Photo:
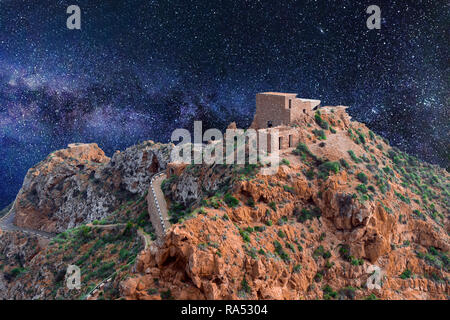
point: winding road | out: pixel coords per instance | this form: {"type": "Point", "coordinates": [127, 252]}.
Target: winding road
{"type": "Point", "coordinates": [157, 207]}
{"type": "Point", "coordinates": [7, 224]}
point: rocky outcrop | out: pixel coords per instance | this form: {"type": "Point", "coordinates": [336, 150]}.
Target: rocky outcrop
{"type": "Point", "coordinates": [80, 184]}
{"type": "Point", "coordinates": [313, 230]}
{"type": "Point", "coordinates": [16, 250]}
{"type": "Point", "coordinates": [335, 209]}
{"type": "Point", "coordinates": [197, 182]}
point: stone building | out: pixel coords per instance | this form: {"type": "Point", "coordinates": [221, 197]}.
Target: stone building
{"type": "Point", "coordinates": [275, 109]}
{"type": "Point", "coordinates": [276, 112]}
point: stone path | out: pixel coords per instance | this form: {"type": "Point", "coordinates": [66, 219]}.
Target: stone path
{"type": "Point", "coordinates": [105, 226]}
{"type": "Point", "coordinates": [98, 287]}
{"type": "Point", "coordinates": [146, 237]}
{"type": "Point", "coordinates": [157, 207]}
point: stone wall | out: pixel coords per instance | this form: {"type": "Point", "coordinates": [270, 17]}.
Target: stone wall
{"type": "Point", "coordinates": [271, 108]}
{"type": "Point", "coordinates": [280, 109]}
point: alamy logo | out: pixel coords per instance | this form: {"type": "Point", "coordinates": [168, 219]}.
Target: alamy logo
{"type": "Point", "coordinates": [374, 21]}
{"type": "Point", "coordinates": [374, 280]}
{"type": "Point", "coordinates": [73, 277]}
{"type": "Point", "coordinates": [74, 20]}
{"type": "Point", "coordinates": [239, 147]}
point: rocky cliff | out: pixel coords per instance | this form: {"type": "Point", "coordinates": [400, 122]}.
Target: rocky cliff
{"type": "Point", "coordinates": [342, 204]}
{"type": "Point", "coordinates": [80, 184]}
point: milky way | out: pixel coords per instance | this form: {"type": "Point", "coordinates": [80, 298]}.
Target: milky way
{"type": "Point", "coordinates": [139, 69]}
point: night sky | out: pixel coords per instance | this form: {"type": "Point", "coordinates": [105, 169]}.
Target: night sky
{"type": "Point", "coordinates": [138, 69]}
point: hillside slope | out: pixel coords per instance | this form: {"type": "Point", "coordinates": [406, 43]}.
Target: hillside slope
{"type": "Point", "coordinates": [342, 202]}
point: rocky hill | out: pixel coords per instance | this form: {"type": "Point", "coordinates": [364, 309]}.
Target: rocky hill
{"type": "Point", "coordinates": [80, 184]}
{"type": "Point", "coordinates": [342, 202]}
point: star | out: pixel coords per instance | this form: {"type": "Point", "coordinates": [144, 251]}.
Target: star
{"type": "Point", "coordinates": [140, 69]}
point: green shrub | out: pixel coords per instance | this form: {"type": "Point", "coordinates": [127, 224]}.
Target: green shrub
{"type": "Point", "coordinates": [344, 163]}
{"type": "Point", "coordinates": [328, 293]}
{"type": "Point", "coordinates": [419, 214]}
{"type": "Point", "coordinates": [106, 269]}
{"type": "Point", "coordinates": [303, 148]}
{"type": "Point", "coordinates": [152, 291]}
{"type": "Point", "coordinates": [123, 254]}
{"type": "Point", "coordinates": [356, 262]}
{"type": "Point", "coordinates": [319, 251]}
{"type": "Point", "coordinates": [344, 251]}
{"type": "Point", "coordinates": [15, 272]}
{"type": "Point", "coordinates": [260, 228]}
{"type": "Point", "coordinates": [310, 174]}
{"type": "Point", "coordinates": [436, 258]}
{"type": "Point", "coordinates": [318, 277]}
{"type": "Point", "coordinates": [318, 118]}
{"type": "Point", "coordinates": [279, 250]}
{"type": "Point", "coordinates": [372, 296]}
{"type": "Point", "coordinates": [362, 177]}
{"type": "Point", "coordinates": [406, 274]}
{"type": "Point", "coordinates": [290, 246]}
{"type": "Point", "coordinates": [354, 157]}
{"type": "Point", "coordinates": [245, 235]}
{"type": "Point", "coordinates": [402, 197]}
{"type": "Point", "coordinates": [230, 200]}
{"type": "Point", "coordinates": [320, 134]}
{"type": "Point", "coordinates": [324, 125]}
{"type": "Point", "coordinates": [330, 166]}
{"type": "Point", "coordinates": [362, 188]}
{"type": "Point", "coordinates": [305, 214]}
{"type": "Point", "coordinates": [167, 295]}
{"type": "Point", "coordinates": [273, 206]}
{"type": "Point", "coordinates": [289, 189]}
{"type": "Point", "coordinates": [361, 137]}
{"type": "Point", "coordinates": [245, 287]}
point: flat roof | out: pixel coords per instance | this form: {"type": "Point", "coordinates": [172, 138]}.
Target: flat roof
{"type": "Point", "coordinates": [278, 94]}
{"type": "Point", "coordinates": [310, 100]}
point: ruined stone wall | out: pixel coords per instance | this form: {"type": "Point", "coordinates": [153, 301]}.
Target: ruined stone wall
{"type": "Point", "coordinates": [299, 109]}
{"type": "Point", "coordinates": [287, 134]}
{"type": "Point", "coordinates": [271, 108]}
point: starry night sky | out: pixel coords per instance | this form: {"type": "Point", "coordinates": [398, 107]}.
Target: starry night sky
{"type": "Point", "coordinates": [139, 69]}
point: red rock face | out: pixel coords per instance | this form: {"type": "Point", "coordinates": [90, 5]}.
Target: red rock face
{"type": "Point", "coordinates": [336, 209]}
{"type": "Point", "coordinates": [80, 184]}
{"type": "Point", "coordinates": [46, 184]}
{"type": "Point", "coordinates": [269, 247]}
